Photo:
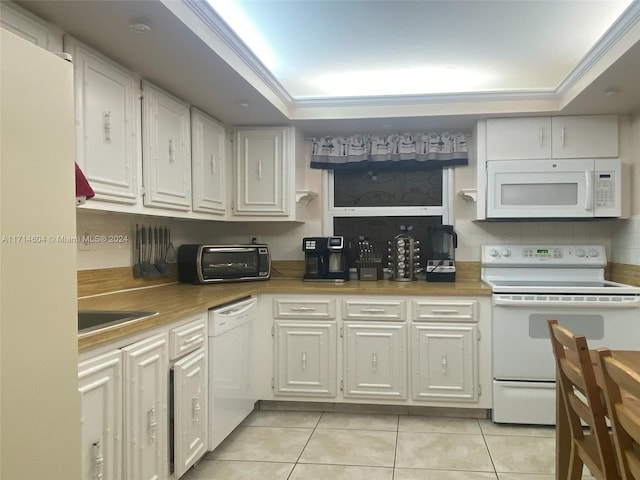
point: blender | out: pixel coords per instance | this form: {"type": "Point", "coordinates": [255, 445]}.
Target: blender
{"type": "Point", "coordinates": [442, 241]}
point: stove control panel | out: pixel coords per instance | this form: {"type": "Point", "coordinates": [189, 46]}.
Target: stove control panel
{"type": "Point", "coordinates": [559, 255]}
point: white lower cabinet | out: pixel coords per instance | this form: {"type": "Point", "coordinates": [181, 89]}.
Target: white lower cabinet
{"type": "Point", "coordinates": [189, 410]}
{"type": "Point", "coordinates": [189, 383]}
{"type": "Point", "coordinates": [146, 395]}
{"type": "Point", "coordinates": [444, 362]}
{"type": "Point", "coordinates": [100, 387]}
{"type": "Point", "coordinates": [444, 345]}
{"type": "Point", "coordinates": [305, 358]}
{"type": "Point", "coordinates": [375, 360]}
{"type": "Point", "coordinates": [134, 427]}
{"type": "Point", "coordinates": [420, 350]}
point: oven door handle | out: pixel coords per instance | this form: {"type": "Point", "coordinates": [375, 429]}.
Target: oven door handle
{"type": "Point", "coordinates": [505, 301]}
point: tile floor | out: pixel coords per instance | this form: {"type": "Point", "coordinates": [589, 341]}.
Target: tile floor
{"type": "Point", "coordinates": [298, 445]}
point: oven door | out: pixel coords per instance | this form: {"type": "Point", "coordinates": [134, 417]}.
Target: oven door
{"type": "Point", "coordinates": [521, 345]}
{"type": "Point", "coordinates": [523, 363]}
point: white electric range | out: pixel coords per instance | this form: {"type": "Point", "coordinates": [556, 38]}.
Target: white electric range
{"type": "Point", "coordinates": [532, 283]}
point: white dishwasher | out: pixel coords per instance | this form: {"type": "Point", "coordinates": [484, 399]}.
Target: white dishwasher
{"type": "Point", "coordinates": [231, 395]}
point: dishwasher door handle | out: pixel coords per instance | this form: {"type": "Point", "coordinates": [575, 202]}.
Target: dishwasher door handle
{"type": "Point", "coordinates": [235, 309]}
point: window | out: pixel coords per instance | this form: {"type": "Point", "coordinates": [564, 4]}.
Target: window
{"type": "Point", "coordinates": [378, 205]}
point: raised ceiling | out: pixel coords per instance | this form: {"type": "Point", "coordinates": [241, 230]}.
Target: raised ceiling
{"type": "Point", "coordinates": [534, 57]}
{"type": "Point", "coordinates": [321, 49]}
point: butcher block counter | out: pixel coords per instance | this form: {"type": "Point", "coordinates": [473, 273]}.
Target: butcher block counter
{"type": "Point", "coordinates": [175, 301]}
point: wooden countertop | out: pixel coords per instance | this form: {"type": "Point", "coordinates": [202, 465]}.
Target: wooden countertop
{"type": "Point", "coordinates": [176, 301]}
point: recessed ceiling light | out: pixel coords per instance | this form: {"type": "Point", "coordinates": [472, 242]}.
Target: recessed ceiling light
{"type": "Point", "coordinates": [242, 103]}
{"type": "Point", "coordinates": [139, 26]}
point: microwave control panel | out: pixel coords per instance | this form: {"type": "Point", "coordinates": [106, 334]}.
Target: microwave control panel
{"type": "Point", "coordinates": [605, 191]}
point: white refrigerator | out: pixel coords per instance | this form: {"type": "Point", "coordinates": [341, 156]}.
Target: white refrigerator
{"type": "Point", "coordinates": [39, 401]}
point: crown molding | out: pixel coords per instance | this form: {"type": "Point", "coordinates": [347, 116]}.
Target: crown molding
{"type": "Point", "coordinates": [606, 44]}
{"type": "Point", "coordinates": [221, 29]}
{"type": "Point", "coordinates": [243, 54]}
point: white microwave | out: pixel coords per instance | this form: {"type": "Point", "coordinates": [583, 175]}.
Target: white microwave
{"type": "Point", "coordinates": [560, 188]}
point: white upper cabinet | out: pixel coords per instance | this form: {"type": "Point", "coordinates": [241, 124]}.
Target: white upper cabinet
{"type": "Point", "coordinates": [107, 111]}
{"type": "Point", "coordinates": [518, 138]}
{"type": "Point", "coordinates": [166, 150]}
{"type": "Point", "coordinates": [209, 182]}
{"type": "Point", "coordinates": [30, 27]}
{"type": "Point", "coordinates": [265, 173]}
{"type": "Point", "coordinates": [588, 136]}
{"type": "Point", "coordinates": [261, 170]}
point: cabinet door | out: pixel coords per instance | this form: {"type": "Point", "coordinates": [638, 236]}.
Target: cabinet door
{"type": "Point", "coordinates": [107, 109]}
{"type": "Point", "coordinates": [375, 360]}
{"type": "Point", "coordinates": [261, 172]}
{"type": "Point", "coordinates": [305, 358]}
{"type": "Point", "coordinates": [166, 150]}
{"type": "Point", "coordinates": [189, 410]}
{"type": "Point", "coordinates": [444, 362]}
{"type": "Point", "coordinates": [588, 136]}
{"type": "Point", "coordinates": [146, 395]}
{"type": "Point", "coordinates": [100, 387]}
{"type": "Point", "coordinates": [20, 22]}
{"type": "Point", "coordinates": [518, 138]}
{"type": "Point", "coordinates": [208, 177]}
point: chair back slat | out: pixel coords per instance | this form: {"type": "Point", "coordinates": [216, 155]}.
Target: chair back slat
{"type": "Point", "coordinates": [622, 395]}
{"type": "Point", "coordinates": [575, 373]}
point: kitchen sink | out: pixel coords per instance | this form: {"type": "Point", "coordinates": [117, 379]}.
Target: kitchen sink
{"type": "Point", "coordinates": [90, 320]}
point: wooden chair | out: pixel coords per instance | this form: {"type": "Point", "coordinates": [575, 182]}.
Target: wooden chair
{"type": "Point", "coordinates": [575, 374]}
{"type": "Point", "coordinates": [622, 395]}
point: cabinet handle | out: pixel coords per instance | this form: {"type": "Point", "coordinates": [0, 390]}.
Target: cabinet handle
{"type": "Point", "coordinates": [541, 136]}
{"type": "Point", "coordinates": [444, 364]}
{"type": "Point", "coordinates": [172, 151]}
{"type": "Point", "coordinates": [98, 460]}
{"type": "Point", "coordinates": [152, 424]}
{"type": "Point", "coordinates": [374, 362]}
{"type": "Point", "coordinates": [194, 338]}
{"type": "Point", "coordinates": [213, 164]}
{"type": "Point", "coordinates": [108, 128]}
{"type": "Point", "coordinates": [304, 360]}
{"type": "Point", "coordinates": [195, 409]}
{"type": "Point", "coordinates": [562, 136]}
{"type": "Point", "coordinates": [259, 170]}
{"type": "Point", "coordinates": [303, 309]}
{"type": "Point", "coordinates": [445, 310]}
{"type": "Point", "coordinates": [373, 310]}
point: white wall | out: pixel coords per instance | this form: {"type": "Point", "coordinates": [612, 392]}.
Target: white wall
{"type": "Point", "coordinates": [620, 237]}
{"type": "Point", "coordinates": [626, 234]}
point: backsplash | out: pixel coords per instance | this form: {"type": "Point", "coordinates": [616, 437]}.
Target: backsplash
{"type": "Point", "coordinates": [619, 237]}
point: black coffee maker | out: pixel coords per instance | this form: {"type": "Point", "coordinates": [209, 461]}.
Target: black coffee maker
{"type": "Point", "coordinates": [326, 259]}
{"type": "Point", "coordinates": [442, 241]}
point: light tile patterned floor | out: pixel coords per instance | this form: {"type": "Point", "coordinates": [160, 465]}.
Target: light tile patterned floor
{"type": "Point", "coordinates": [298, 445]}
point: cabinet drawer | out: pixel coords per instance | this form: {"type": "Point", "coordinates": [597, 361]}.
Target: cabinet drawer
{"type": "Point", "coordinates": [444, 310]}
{"type": "Point", "coordinates": [188, 337]}
{"type": "Point", "coordinates": [389, 310]}
{"type": "Point", "coordinates": [299, 308]}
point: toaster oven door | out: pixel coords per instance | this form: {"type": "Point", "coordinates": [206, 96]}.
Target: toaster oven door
{"type": "Point", "coordinates": [229, 263]}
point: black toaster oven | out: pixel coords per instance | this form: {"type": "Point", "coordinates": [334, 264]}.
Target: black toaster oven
{"type": "Point", "coordinates": [223, 263]}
